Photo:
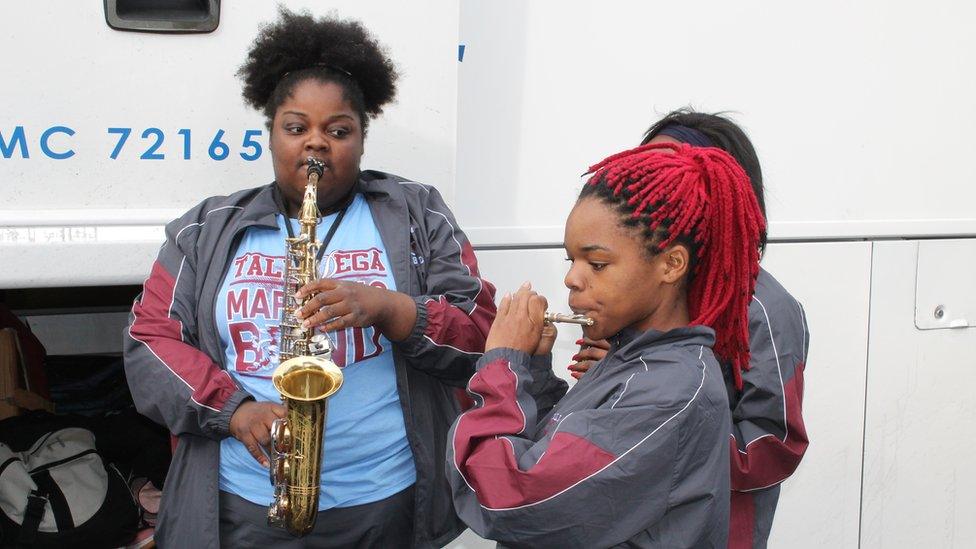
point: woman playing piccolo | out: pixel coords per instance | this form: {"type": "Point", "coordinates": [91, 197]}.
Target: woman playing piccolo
{"type": "Point", "coordinates": [663, 249]}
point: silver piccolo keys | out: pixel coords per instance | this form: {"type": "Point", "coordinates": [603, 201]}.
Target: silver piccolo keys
{"type": "Point", "coordinates": [569, 319]}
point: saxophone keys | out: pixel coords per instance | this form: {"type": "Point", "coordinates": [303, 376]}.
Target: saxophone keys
{"type": "Point", "coordinates": [320, 345]}
{"type": "Point", "coordinates": [278, 511]}
{"type": "Point", "coordinates": [280, 436]}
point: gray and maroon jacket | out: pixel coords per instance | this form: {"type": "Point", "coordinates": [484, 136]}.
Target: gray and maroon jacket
{"type": "Point", "coordinates": [768, 437]}
{"type": "Point", "coordinates": [636, 453]}
{"type": "Point", "coordinates": [174, 360]}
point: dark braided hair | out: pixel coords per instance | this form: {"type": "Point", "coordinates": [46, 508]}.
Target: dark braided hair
{"type": "Point", "coordinates": [699, 197]}
{"type": "Point", "coordinates": [299, 47]}
{"type": "Point", "coordinates": [724, 134]}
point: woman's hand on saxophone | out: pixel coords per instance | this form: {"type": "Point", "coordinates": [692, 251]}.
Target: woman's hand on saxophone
{"type": "Point", "coordinates": [251, 424]}
{"type": "Point", "coordinates": [519, 323]}
{"type": "Point", "coordinates": [340, 304]}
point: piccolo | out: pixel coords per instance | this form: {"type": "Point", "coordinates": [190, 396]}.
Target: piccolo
{"type": "Point", "coordinates": [582, 320]}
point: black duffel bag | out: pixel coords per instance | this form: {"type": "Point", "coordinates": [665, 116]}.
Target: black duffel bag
{"type": "Point", "coordinates": [58, 491]}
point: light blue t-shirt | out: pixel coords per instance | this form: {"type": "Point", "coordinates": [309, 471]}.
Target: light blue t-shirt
{"type": "Point", "coordinates": [366, 456]}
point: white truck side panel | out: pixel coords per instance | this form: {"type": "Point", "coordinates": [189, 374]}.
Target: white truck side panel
{"type": "Point", "coordinates": [861, 112]}
{"type": "Point", "coordinates": [73, 87]}
{"type": "Point", "coordinates": [919, 479]}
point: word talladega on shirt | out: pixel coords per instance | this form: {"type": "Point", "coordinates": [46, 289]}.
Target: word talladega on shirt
{"type": "Point", "coordinates": [366, 456]}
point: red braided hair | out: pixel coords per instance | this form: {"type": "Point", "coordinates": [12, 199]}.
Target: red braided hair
{"type": "Point", "coordinates": [701, 194]}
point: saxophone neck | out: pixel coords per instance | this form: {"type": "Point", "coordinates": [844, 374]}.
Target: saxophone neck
{"type": "Point", "coordinates": [309, 214]}
{"type": "Point", "coordinates": [310, 207]}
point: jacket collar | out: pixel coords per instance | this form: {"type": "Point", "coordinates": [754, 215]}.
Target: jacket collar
{"type": "Point", "coordinates": [628, 344]}
{"type": "Point", "coordinates": [385, 199]}
{"type": "Point", "coordinates": [263, 207]}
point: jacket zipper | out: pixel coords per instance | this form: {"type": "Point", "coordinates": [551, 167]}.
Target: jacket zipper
{"type": "Point", "coordinates": [68, 459]}
{"type": "Point", "coordinates": [235, 242]}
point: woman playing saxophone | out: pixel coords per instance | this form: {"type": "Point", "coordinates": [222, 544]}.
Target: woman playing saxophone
{"type": "Point", "coordinates": [397, 289]}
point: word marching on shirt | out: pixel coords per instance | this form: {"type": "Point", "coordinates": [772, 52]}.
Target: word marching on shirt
{"type": "Point", "coordinates": [366, 456]}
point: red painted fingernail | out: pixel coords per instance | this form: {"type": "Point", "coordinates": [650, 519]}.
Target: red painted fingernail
{"type": "Point", "coordinates": [579, 341]}
{"type": "Point", "coordinates": [576, 357]}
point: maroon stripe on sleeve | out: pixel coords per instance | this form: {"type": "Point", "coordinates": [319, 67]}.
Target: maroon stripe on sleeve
{"type": "Point", "coordinates": [770, 460]}
{"type": "Point", "coordinates": [469, 260]}
{"type": "Point", "coordinates": [464, 400]}
{"type": "Point", "coordinates": [500, 483]}
{"type": "Point", "coordinates": [465, 331]}
{"type": "Point", "coordinates": [449, 325]}
{"type": "Point", "coordinates": [488, 461]}
{"type": "Point", "coordinates": [162, 335]}
{"type": "Point", "coordinates": [742, 523]}
{"type": "Point", "coordinates": [484, 313]}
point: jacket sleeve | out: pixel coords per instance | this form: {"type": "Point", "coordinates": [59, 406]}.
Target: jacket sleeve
{"type": "Point", "coordinates": [768, 436]}
{"type": "Point", "coordinates": [458, 306]}
{"type": "Point", "coordinates": [594, 478]}
{"type": "Point", "coordinates": [171, 380]}
{"type": "Point", "coordinates": [546, 388]}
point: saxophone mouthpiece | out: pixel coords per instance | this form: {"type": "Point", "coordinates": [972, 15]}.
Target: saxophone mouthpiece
{"type": "Point", "coordinates": [315, 166]}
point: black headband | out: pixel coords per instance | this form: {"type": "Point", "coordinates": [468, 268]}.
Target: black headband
{"type": "Point", "coordinates": [687, 135]}
{"type": "Point", "coordinates": [321, 66]}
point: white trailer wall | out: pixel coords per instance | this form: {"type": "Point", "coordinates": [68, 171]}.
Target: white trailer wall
{"type": "Point", "coordinates": [71, 214]}
{"type": "Point", "coordinates": [860, 111]}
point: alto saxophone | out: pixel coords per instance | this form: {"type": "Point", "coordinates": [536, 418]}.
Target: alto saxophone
{"type": "Point", "coordinates": [306, 378]}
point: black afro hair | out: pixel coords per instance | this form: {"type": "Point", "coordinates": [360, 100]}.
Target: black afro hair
{"type": "Point", "coordinates": [298, 47]}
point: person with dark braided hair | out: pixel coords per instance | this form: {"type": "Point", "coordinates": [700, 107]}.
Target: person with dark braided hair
{"type": "Point", "coordinates": [663, 245]}
{"type": "Point", "coordinates": [768, 436]}
{"type": "Point", "coordinates": [400, 296]}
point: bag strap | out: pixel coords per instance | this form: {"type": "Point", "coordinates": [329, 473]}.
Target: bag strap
{"type": "Point", "coordinates": [59, 503]}
{"type": "Point", "coordinates": [33, 515]}
{"type": "Point", "coordinates": [7, 463]}
{"type": "Point", "coordinates": [47, 492]}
